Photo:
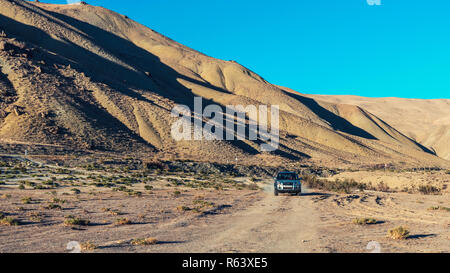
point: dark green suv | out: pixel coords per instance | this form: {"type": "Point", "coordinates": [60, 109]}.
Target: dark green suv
{"type": "Point", "coordinates": [287, 182]}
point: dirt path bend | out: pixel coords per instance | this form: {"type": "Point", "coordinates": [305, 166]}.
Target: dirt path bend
{"type": "Point", "coordinates": [274, 224]}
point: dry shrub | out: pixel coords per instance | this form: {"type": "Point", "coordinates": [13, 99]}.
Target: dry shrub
{"type": "Point", "coordinates": [74, 221]}
{"type": "Point", "coordinates": [88, 246]}
{"type": "Point", "coordinates": [123, 221]}
{"type": "Point", "coordinates": [398, 233]}
{"type": "Point", "coordinates": [428, 189]}
{"type": "Point", "coordinates": [364, 221]}
{"type": "Point", "coordinates": [343, 186]}
{"type": "Point", "coordinates": [9, 221]}
{"type": "Point", "coordinates": [146, 241]}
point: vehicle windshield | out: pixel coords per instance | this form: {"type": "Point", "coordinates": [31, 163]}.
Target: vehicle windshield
{"type": "Point", "coordinates": [287, 176]}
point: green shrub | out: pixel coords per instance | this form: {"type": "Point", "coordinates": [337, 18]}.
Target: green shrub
{"type": "Point", "coordinates": [58, 201]}
{"type": "Point", "coordinates": [74, 221]}
{"type": "Point", "coordinates": [9, 221]}
{"type": "Point", "coordinates": [26, 200]}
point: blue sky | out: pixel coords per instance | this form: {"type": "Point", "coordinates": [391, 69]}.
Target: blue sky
{"type": "Point", "coordinates": [398, 49]}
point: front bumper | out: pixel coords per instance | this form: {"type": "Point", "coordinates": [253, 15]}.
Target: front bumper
{"type": "Point", "coordinates": [282, 188]}
{"type": "Point", "coordinates": [290, 191]}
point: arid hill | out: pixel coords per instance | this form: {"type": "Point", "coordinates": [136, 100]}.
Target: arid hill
{"type": "Point", "coordinates": [88, 78]}
{"type": "Point", "coordinates": [425, 121]}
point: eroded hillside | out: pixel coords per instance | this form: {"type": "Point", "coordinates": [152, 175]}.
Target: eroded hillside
{"type": "Point", "coordinates": [86, 77]}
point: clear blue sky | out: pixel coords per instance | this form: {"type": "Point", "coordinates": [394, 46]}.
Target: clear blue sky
{"type": "Point", "coordinates": [398, 49]}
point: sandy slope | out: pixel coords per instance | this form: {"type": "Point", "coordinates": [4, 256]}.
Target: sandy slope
{"type": "Point", "coordinates": [426, 121]}
{"type": "Point", "coordinates": [88, 78]}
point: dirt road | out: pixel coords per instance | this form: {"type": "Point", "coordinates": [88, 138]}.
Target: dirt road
{"type": "Point", "coordinates": [274, 224]}
{"type": "Point", "coordinates": [318, 222]}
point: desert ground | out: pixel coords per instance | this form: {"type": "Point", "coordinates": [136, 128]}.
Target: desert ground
{"type": "Point", "coordinates": [44, 207]}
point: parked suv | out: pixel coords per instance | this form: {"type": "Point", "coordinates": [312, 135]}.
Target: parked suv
{"type": "Point", "coordinates": [287, 182]}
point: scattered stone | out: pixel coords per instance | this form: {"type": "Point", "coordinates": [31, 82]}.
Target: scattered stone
{"type": "Point", "coordinates": [2, 45]}
{"type": "Point", "coordinates": [3, 114]}
{"type": "Point", "coordinates": [16, 110]}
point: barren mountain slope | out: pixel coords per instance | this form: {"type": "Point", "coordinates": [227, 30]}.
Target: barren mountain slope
{"type": "Point", "coordinates": [426, 121]}
{"type": "Point", "coordinates": [86, 77]}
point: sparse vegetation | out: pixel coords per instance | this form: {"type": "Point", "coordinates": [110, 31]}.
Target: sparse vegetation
{"type": "Point", "coordinates": [398, 233]}
{"type": "Point", "coordinates": [146, 241]}
{"type": "Point", "coordinates": [26, 200]}
{"type": "Point", "coordinates": [123, 221]}
{"type": "Point", "coordinates": [75, 221]}
{"type": "Point", "coordinates": [58, 201]}
{"type": "Point", "coordinates": [53, 206]}
{"type": "Point", "coordinates": [439, 208]}
{"type": "Point", "coordinates": [183, 208]}
{"type": "Point", "coordinates": [428, 189]}
{"type": "Point", "coordinates": [112, 211]}
{"type": "Point", "coordinates": [35, 216]}
{"type": "Point", "coordinates": [88, 246]}
{"type": "Point", "coordinates": [382, 187]}
{"type": "Point", "coordinates": [342, 186]}
{"type": "Point", "coordinates": [203, 203]}
{"type": "Point", "coordinates": [75, 191]}
{"type": "Point", "coordinates": [364, 221]}
{"type": "Point", "coordinates": [9, 221]}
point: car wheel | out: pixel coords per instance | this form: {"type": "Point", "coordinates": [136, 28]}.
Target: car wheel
{"type": "Point", "coordinates": [299, 193]}
{"type": "Point", "coordinates": [275, 192]}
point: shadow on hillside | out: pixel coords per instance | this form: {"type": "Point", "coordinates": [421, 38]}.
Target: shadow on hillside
{"type": "Point", "coordinates": [139, 69]}
{"type": "Point", "coordinates": [341, 124]}
{"type": "Point", "coordinates": [335, 121]}
{"type": "Point", "coordinates": [423, 148]}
